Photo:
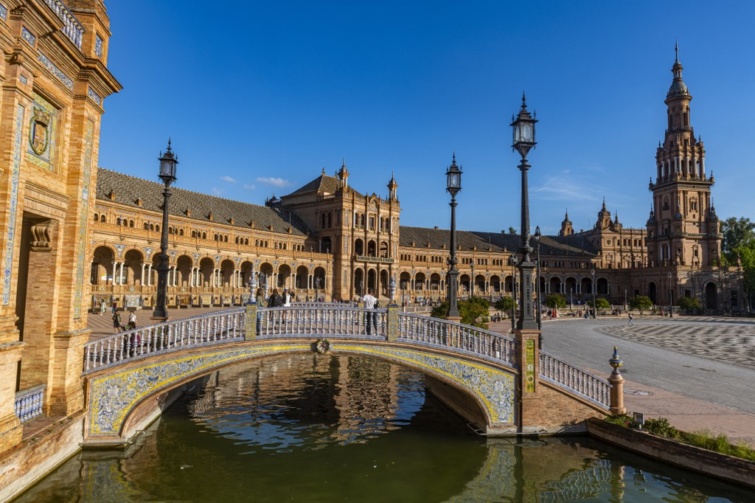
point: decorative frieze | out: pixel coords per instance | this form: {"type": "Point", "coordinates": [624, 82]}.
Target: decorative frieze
{"type": "Point", "coordinates": [28, 36]}
{"type": "Point", "coordinates": [65, 79]}
{"type": "Point", "coordinates": [94, 96]}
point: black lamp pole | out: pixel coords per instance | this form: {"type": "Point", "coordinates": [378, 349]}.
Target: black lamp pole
{"type": "Point", "coordinates": [537, 282]}
{"type": "Point", "coordinates": [453, 186]}
{"type": "Point", "coordinates": [168, 163]}
{"type": "Point", "coordinates": [512, 263]}
{"type": "Point", "coordinates": [524, 140]}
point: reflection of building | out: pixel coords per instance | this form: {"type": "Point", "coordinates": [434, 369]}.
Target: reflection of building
{"type": "Point", "coordinates": [329, 240]}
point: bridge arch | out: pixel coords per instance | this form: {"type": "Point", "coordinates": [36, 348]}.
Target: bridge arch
{"type": "Point", "coordinates": [116, 399]}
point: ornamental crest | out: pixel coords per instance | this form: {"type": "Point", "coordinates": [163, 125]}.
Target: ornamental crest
{"type": "Point", "coordinates": [39, 134]}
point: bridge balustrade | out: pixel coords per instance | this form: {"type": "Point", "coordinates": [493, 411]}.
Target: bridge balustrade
{"type": "Point", "coordinates": [213, 328]}
{"type": "Point", "coordinates": [444, 334]}
{"type": "Point", "coordinates": [560, 373]}
{"type": "Point", "coordinates": [320, 320]}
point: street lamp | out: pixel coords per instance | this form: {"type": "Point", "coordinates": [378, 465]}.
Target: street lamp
{"type": "Point", "coordinates": [670, 297]}
{"type": "Point", "coordinates": [252, 289]}
{"type": "Point", "coordinates": [392, 288]}
{"type": "Point", "coordinates": [403, 295]}
{"type": "Point", "coordinates": [594, 309]}
{"type": "Point", "coordinates": [537, 279]}
{"type": "Point", "coordinates": [524, 140]}
{"type": "Point", "coordinates": [168, 163]}
{"type": "Point", "coordinates": [512, 263]}
{"type": "Point", "coordinates": [453, 186]}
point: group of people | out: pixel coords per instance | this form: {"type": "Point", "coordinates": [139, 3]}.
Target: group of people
{"type": "Point", "coordinates": [117, 326]}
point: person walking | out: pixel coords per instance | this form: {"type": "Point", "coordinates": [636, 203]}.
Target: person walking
{"type": "Point", "coordinates": [132, 319]}
{"type": "Point", "coordinates": [103, 306]}
{"type": "Point", "coordinates": [370, 316]}
{"type": "Point", "coordinates": [117, 322]}
{"type": "Point", "coordinates": [630, 321]}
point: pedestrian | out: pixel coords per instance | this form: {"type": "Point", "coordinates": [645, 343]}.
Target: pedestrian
{"type": "Point", "coordinates": [132, 319]}
{"type": "Point", "coordinates": [370, 316]}
{"type": "Point", "coordinates": [115, 306]}
{"type": "Point", "coordinates": [630, 322]}
{"type": "Point", "coordinates": [260, 298]}
{"type": "Point", "coordinates": [103, 306]}
{"type": "Point", "coordinates": [117, 322]}
{"type": "Point", "coordinates": [275, 299]}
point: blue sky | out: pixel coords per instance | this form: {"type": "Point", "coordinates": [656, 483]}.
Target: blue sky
{"type": "Point", "coordinates": [259, 97]}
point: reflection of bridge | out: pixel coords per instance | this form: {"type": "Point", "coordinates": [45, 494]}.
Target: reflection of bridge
{"type": "Point", "coordinates": [503, 385]}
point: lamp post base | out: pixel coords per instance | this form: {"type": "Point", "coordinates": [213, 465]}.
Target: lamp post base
{"type": "Point", "coordinates": [159, 319]}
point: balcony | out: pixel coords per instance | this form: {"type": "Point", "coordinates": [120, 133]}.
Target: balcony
{"type": "Point", "coordinates": [379, 260]}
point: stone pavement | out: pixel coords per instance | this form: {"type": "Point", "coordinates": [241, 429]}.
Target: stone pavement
{"type": "Point", "coordinates": [697, 372]}
{"type": "Point", "coordinates": [728, 343]}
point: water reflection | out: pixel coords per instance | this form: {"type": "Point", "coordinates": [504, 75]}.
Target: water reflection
{"type": "Point", "coordinates": [321, 428]}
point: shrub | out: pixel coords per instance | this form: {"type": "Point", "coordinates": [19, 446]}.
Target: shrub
{"type": "Point", "coordinates": [555, 300]}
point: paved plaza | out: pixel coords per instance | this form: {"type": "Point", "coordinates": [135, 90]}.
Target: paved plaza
{"type": "Point", "coordinates": [698, 372]}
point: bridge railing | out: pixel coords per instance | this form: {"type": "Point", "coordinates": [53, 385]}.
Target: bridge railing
{"type": "Point", "coordinates": [444, 334]}
{"type": "Point", "coordinates": [595, 389]}
{"type": "Point", "coordinates": [321, 320]}
{"type": "Point", "coordinates": [204, 330]}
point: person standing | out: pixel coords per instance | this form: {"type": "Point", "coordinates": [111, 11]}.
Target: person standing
{"type": "Point", "coordinates": [132, 320]}
{"type": "Point", "coordinates": [103, 306]}
{"type": "Point", "coordinates": [370, 316]}
{"type": "Point", "coordinates": [260, 298]}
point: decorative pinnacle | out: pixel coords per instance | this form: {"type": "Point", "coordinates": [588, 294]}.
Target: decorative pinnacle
{"type": "Point", "coordinates": [615, 361]}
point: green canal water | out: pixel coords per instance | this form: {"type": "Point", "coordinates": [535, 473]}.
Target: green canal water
{"type": "Point", "coordinates": [317, 428]}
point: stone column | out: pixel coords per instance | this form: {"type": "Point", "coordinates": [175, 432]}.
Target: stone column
{"type": "Point", "coordinates": [392, 330]}
{"type": "Point", "coordinates": [617, 385]}
{"type": "Point", "coordinates": [250, 322]}
{"type": "Point", "coordinates": [528, 382]}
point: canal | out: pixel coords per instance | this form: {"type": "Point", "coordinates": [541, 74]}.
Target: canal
{"type": "Point", "coordinates": [319, 428]}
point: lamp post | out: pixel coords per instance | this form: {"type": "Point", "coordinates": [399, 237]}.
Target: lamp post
{"type": "Point", "coordinates": [317, 289]}
{"type": "Point", "coordinates": [571, 299]}
{"type": "Point", "coordinates": [392, 288]}
{"type": "Point", "coordinates": [471, 284]}
{"type": "Point", "coordinates": [524, 140]}
{"type": "Point", "coordinates": [670, 297]}
{"type": "Point", "coordinates": [252, 288]}
{"type": "Point", "coordinates": [403, 295]}
{"type": "Point", "coordinates": [537, 279]}
{"type": "Point", "coordinates": [168, 163]}
{"type": "Point", "coordinates": [512, 263]}
{"type": "Point", "coordinates": [453, 186]}
{"type": "Point", "coordinates": [594, 309]}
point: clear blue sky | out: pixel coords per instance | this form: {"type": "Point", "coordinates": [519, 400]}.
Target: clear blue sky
{"type": "Point", "coordinates": [258, 97]}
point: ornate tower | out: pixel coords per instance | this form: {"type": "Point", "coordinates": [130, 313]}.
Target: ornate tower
{"type": "Point", "coordinates": [682, 229]}
{"type": "Point", "coordinates": [392, 186]}
{"type": "Point", "coordinates": [566, 226]}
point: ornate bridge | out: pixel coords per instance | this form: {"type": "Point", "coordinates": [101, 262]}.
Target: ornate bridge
{"type": "Point", "coordinates": [503, 385]}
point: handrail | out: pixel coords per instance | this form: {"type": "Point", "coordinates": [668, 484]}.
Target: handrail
{"type": "Point", "coordinates": [29, 402]}
{"type": "Point", "coordinates": [556, 371]}
{"type": "Point", "coordinates": [334, 320]}
{"type": "Point", "coordinates": [204, 330]}
{"type": "Point", "coordinates": [321, 320]}
{"type": "Point", "coordinates": [444, 334]}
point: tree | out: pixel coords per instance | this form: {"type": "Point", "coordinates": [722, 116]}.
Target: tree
{"type": "Point", "coordinates": [512, 230]}
{"type": "Point", "coordinates": [736, 234]}
{"type": "Point", "coordinates": [555, 300]}
{"type": "Point", "coordinates": [474, 311]}
{"type": "Point", "coordinates": [690, 304]}
{"type": "Point", "coordinates": [641, 303]}
{"type": "Point", "coordinates": [602, 303]}
{"type": "Point", "coordinates": [505, 304]}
